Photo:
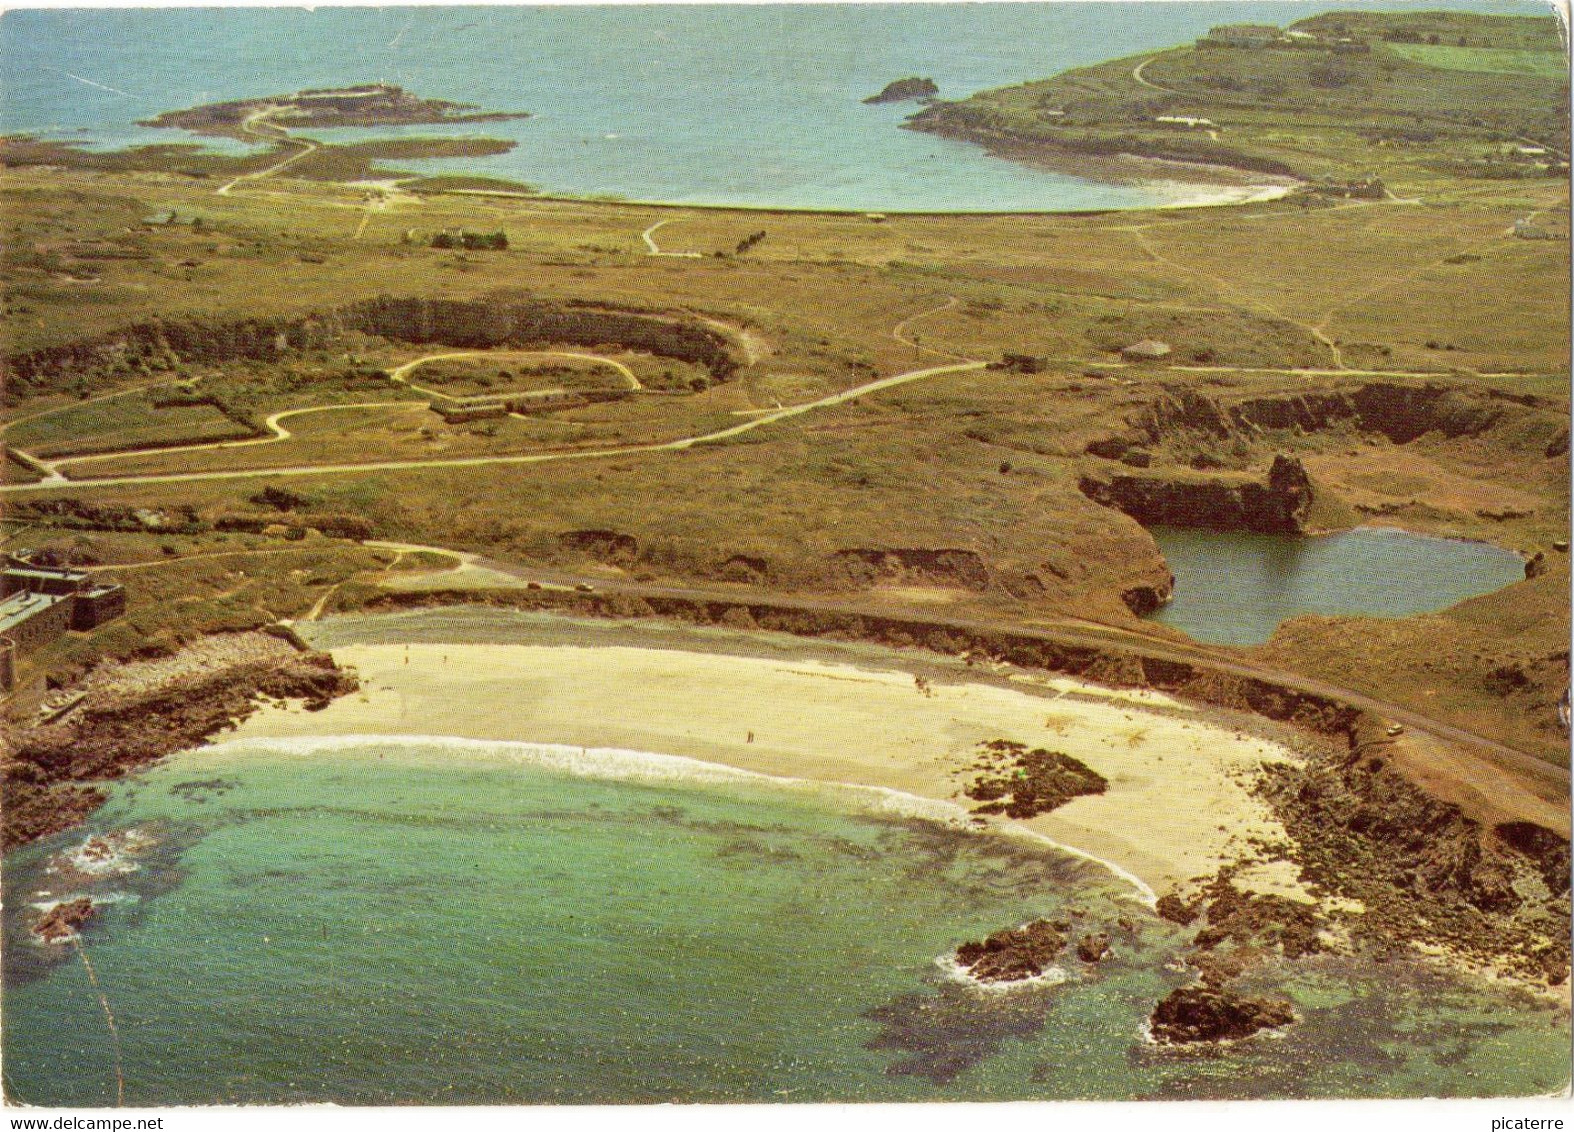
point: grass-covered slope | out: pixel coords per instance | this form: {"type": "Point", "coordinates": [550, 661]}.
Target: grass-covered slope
{"type": "Point", "coordinates": [1407, 96]}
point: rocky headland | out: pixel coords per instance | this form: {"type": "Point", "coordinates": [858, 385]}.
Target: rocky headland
{"type": "Point", "coordinates": [134, 713]}
{"type": "Point", "coordinates": [372, 104]}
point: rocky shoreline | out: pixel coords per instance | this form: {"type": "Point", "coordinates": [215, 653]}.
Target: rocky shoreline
{"type": "Point", "coordinates": [1389, 866]}
{"type": "Point", "coordinates": [135, 713]}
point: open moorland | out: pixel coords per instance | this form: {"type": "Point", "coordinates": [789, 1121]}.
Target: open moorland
{"type": "Point", "coordinates": [273, 393]}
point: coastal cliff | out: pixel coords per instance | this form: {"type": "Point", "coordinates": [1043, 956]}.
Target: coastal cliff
{"type": "Point", "coordinates": [471, 324]}
{"type": "Point", "coordinates": [135, 713]}
{"type": "Point", "coordinates": [1278, 506]}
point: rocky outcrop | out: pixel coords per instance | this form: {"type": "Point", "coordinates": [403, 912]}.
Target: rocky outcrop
{"type": "Point", "coordinates": [1421, 867]}
{"type": "Point", "coordinates": [1278, 506]}
{"type": "Point", "coordinates": [1145, 599]}
{"type": "Point", "coordinates": [1012, 955]}
{"type": "Point", "coordinates": [136, 713]}
{"type": "Point", "coordinates": [905, 90]}
{"type": "Point", "coordinates": [610, 547]}
{"type": "Point", "coordinates": [1022, 783]}
{"type": "Point", "coordinates": [1397, 412]}
{"type": "Point", "coordinates": [471, 324]}
{"type": "Point", "coordinates": [1093, 948]}
{"type": "Point", "coordinates": [1548, 852]}
{"type": "Point", "coordinates": [64, 921]}
{"type": "Point", "coordinates": [868, 566]}
{"type": "Point", "coordinates": [1203, 1014]}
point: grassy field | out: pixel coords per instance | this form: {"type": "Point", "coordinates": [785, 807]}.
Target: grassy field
{"type": "Point", "coordinates": [1416, 101]}
{"type": "Point", "coordinates": [138, 420]}
{"type": "Point", "coordinates": [1488, 60]}
{"type": "Point", "coordinates": [1290, 301]}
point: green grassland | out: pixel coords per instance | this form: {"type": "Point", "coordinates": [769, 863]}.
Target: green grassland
{"type": "Point", "coordinates": [1488, 60]}
{"type": "Point", "coordinates": [1304, 297]}
{"type": "Point", "coordinates": [139, 420]}
{"type": "Point", "coordinates": [1310, 111]}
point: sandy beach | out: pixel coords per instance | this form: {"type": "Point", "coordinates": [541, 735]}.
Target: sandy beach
{"type": "Point", "coordinates": [1178, 801]}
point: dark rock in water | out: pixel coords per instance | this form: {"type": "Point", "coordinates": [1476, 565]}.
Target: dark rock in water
{"type": "Point", "coordinates": [1093, 948]}
{"type": "Point", "coordinates": [1202, 1014]}
{"type": "Point", "coordinates": [63, 921]}
{"type": "Point", "coordinates": [1012, 955]}
{"type": "Point", "coordinates": [905, 90]}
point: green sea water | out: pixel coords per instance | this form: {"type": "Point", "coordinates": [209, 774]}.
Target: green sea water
{"type": "Point", "coordinates": [439, 921]}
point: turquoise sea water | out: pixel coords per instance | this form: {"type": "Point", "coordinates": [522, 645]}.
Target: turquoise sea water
{"type": "Point", "coordinates": [700, 104]}
{"type": "Point", "coordinates": [434, 921]}
{"type": "Point", "coordinates": [1234, 588]}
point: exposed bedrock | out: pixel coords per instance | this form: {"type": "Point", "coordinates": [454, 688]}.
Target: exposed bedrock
{"type": "Point", "coordinates": [1012, 955]}
{"type": "Point", "coordinates": [1400, 413]}
{"type": "Point", "coordinates": [64, 921]}
{"type": "Point", "coordinates": [611, 547]}
{"type": "Point", "coordinates": [867, 566]}
{"type": "Point", "coordinates": [1421, 866]}
{"type": "Point", "coordinates": [1204, 1014]}
{"type": "Point", "coordinates": [136, 713]}
{"type": "Point", "coordinates": [1279, 505]}
{"type": "Point", "coordinates": [476, 324]}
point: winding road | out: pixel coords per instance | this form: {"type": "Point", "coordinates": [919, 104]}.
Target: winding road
{"type": "Point", "coordinates": [649, 236]}
{"type": "Point", "coordinates": [401, 373]}
{"type": "Point", "coordinates": [258, 126]}
{"type": "Point", "coordinates": [1136, 73]}
{"type": "Point", "coordinates": [679, 445]}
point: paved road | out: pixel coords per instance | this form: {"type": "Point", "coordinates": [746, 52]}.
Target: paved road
{"type": "Point", "coordinates": [276, 430]}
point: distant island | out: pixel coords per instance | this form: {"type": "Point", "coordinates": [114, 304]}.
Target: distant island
{"type": "Point", "coordinates": [370, 104]}
{"type": "Point", "coordinates": [905, 90]}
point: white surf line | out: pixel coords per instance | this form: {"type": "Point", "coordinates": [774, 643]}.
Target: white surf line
{"type": "Point", "coordinates": [620, 763]}
{"type": "Point", "coordinates": [648, 236]}
{"type": "Point", "coordinates": [485, 461]}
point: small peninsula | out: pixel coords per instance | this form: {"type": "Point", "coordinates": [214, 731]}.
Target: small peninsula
{"type": "Point", "coordinates": [370, 104]}
{"type": "Point", "coordinates": [905, 90]}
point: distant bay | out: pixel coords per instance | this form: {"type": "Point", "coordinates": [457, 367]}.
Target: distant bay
{"type": "Point", "coordinates": [758, 106]}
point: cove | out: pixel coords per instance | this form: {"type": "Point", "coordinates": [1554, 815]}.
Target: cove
{"type": "Point", "coordinates": [430, 921]}
{"type": "Point", "coordinates": [1235, 588]}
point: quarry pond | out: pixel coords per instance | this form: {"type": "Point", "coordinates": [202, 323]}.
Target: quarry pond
{"type": "Point", "coordinates": [1236, 588]}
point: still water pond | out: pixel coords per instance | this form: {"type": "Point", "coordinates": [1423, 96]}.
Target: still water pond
{"type": "Point", "coordinates": [1235, 588]}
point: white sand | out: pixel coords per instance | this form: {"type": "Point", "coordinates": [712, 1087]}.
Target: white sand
{"type": "Point", "coordinates": [1177, 805]}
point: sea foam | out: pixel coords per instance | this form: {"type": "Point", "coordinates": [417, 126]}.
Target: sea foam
{"type": "Point", "coordinates": [619, 764]}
